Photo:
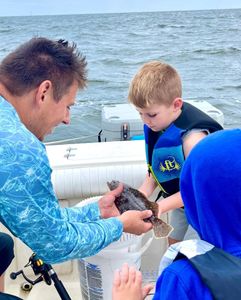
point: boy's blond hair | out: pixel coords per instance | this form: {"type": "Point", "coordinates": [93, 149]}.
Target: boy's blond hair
{"type": "Point", "coordinates": [155, 83]}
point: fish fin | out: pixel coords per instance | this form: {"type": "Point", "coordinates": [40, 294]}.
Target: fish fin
{"type": "Point", "coordinates": [161, 229]}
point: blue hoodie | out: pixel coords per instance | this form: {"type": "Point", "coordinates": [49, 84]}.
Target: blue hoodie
{"type": "Point", "coordinates": [211, 191]}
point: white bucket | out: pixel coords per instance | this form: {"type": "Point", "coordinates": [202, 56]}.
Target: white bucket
{"type": "Point", "coordinates": [97, 272]}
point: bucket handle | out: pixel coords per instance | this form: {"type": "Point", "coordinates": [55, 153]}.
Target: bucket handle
{"type": "Point", "coordinates": [111, 252]}
{"type": "Point", "coordinates": [147, 244]}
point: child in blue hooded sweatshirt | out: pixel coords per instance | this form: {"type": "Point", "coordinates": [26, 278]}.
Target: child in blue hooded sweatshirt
{"type": "Point", "coordinates": [210, 268]}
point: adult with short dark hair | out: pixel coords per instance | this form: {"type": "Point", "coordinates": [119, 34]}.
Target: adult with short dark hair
{"type": "Point", "coordinates": [38, 85]}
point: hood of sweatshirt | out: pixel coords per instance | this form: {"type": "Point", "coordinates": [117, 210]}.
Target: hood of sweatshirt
{"type": "Point", "coordinates": [211, 189]}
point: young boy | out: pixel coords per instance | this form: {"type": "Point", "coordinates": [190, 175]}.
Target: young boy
{"type": "Point", "coordinates": [209, 268]}
{"type": "Point", "coordinates": [172, 128]}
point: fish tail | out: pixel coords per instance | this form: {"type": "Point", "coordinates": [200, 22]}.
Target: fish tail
{"type": "Point", "coordinates": [161, 229]}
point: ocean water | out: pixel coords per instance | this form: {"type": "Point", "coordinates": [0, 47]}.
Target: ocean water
{"type": "Point", "coordinates": [204, 46]}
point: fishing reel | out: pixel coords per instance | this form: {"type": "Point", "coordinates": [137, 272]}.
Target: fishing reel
{"type": "Point", "coordinates": [47, 274]}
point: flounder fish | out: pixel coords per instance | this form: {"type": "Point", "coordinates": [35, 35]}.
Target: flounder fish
{"type": "Point", "coordinates": [132, 199]}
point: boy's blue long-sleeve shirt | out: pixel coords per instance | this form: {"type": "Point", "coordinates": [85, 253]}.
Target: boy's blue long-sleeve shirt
{"type": "Point", "coordinates": [29, 207]}
{"type": "Point", "coordinates": [180, 281]}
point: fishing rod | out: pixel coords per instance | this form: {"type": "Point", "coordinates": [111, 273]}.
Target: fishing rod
{"type": "Point", "coordinates": [47, 274]}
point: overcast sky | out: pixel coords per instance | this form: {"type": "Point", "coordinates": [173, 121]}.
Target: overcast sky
{"type": "Point", "coordinates": [54, 7]}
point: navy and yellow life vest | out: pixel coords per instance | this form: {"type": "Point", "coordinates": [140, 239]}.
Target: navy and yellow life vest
{"type": "Point", "coordinates": [164, 150]}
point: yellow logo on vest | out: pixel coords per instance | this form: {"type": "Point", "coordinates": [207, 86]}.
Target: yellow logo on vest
{"type": "Point", "coordinates": [169, 164]}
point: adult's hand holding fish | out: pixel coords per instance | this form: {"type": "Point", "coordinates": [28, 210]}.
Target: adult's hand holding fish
{"type": "Point", "coordinates": [132, 199]}
{"type": "Point", "coordinates": [133, 221]}
{"type": "Point", "coordinates": [107, 203]}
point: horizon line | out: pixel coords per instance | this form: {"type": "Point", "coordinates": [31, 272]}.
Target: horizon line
{"type": "Point", "coordinates": [124, 12]}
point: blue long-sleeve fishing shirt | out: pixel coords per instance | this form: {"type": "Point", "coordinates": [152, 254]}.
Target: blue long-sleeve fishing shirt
{"type": "Point", "coordinates": [29, 207]}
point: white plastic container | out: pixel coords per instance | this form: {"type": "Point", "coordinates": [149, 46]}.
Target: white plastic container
{"type": "Point", "coordinates": [97, 272]}
{"type": "Point", "coordinates": [123, 122]}
{"type": "Point", "coordinates": [82, 170]}
{"type": "Point", "coordinates": [120, 122]}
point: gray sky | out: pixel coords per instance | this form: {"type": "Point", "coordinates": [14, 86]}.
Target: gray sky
{"type": "Point", "coordinates": [53, 7]}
